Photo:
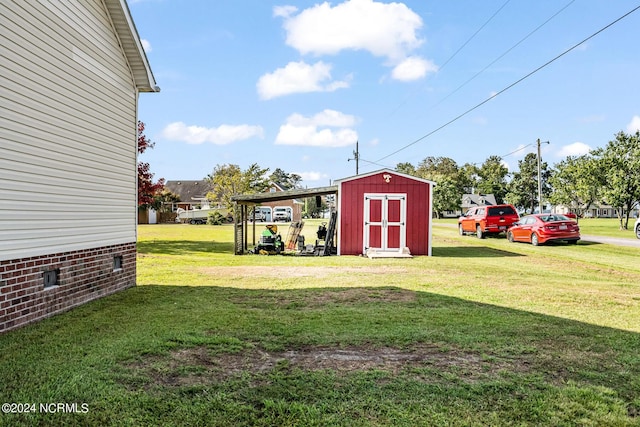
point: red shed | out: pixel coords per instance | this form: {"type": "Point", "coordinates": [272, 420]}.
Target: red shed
{"type": "Point", "coordinates": [384, 211]}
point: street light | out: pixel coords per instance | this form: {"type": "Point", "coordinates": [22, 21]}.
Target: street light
{"type": "Point", "coordinates": [540, 178]}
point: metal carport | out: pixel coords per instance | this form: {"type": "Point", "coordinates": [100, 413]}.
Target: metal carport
{"type": "Point", "coordinates": [243, 202]}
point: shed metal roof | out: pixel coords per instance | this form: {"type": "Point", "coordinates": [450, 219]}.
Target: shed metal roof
{"type": "Point", "coordinates": [254, 199]}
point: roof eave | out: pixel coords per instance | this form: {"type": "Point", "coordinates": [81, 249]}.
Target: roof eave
{"type": "Point", "coordinates": [131, 45]}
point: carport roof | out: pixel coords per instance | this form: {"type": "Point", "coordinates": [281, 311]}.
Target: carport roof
{"type": "Point", "coordinates": [254, 199]}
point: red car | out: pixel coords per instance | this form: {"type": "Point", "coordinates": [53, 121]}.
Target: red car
{"type": "Point", "coordinates": [541, 228]}
{"type": "Point", "coordinates": [485, 220]}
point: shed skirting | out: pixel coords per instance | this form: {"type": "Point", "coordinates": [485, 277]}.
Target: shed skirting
{"type": "Point", "coordinates": [82, 276]}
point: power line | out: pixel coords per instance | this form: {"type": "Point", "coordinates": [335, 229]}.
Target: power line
{"type": "Point", "coordinates": [502, 56]}
{"type": "Point", "coordinates": [474, 35]}
{"type": "Point", "coordinates": [457, 51]}
{"type": "Point", "coordinates": [458, 117]}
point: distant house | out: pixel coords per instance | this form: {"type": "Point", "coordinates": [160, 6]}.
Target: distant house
{"type": "Point", "coordinates": [596, 210]}
{"type": "Point", "coordinates": [192, 193]}
{"type": "Point", "coordinates": [469, 201]}
{"type": "Point", "coordinates": [294, 204]}
{"type": "Point", "coordinates": [71, 75]}
{"type": "Point", "coordinates": [473, 200]}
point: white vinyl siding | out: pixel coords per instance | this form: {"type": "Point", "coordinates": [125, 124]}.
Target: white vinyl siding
{"type": "Point", "coordinates": [67, 130]}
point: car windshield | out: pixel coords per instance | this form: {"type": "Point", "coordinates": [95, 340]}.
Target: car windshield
{"type": "Point", "coordinates": [501, 210]}
{"type": "Point", "coordinates": [554, 217]}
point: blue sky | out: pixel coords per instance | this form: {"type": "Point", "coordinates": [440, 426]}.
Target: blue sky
{"type": "Point", "coordinates": [294, 85]}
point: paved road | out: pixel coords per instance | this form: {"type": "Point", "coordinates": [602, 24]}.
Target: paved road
{"type": "Point", "coordinates": [612, 240]}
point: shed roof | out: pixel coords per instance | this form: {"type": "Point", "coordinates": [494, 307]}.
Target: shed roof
{"type": "Point", "coordinates": [364, 175]}
{"type": "Point", "coordinates": [252, 199]}
{"type": "Point", "coordinates": [131, 45]}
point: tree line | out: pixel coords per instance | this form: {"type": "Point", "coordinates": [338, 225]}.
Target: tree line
{"type": "Point", "coordinates": [609, 175]}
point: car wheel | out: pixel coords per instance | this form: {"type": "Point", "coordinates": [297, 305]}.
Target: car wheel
{"type": "Point", "coordinates": [510, 236]}
{"type": "Point", "coordinates": [460, 230]}
{"type": "Point", "coordinates": [638, 232]}
{"type": "Point", "coordinates": [534, 239]}
{"type": "Point", "coordinates": [572, 242]}
{"type": "Point", "coordinates": [479, 232]}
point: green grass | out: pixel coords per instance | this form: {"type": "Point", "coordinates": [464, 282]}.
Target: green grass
{"type": "Point", "coordinates": [609, 227]}
{"type": "Point", "coordinates": [483, 333]}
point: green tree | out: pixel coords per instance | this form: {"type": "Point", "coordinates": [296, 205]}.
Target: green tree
{"type": "Point", "coordinates": [230, 180]}
{"type": "Point", "coordinates": [446, 195]}
{"type": "Point", "coordinates": [523, 188]}
{"type": "Point", "coordinates": [147, 189]}
{"type": "Point", "coordinates": [289, 180]}
{"type": "Point", "coordinates": [432, 167]}
{"type": "Point", "coordinates": [164, 200]}
{"type": "Point", "coordinates": [619, 164]}
{"type": "Point", "coordinates": [406, 168]}
{"type": "Point", "coordinates": [576, 183]}
{"type": "Point", "coordinates": [469, 178]}
{"type": "Point", "coordinates": [450, 183]}
{"type": "Point", "coordinates": [492, 178]}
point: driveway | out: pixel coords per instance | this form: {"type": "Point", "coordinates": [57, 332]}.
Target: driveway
{"type": "Point", "coordinates": [612, 240]}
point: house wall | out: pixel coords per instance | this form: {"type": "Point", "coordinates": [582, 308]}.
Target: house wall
{"type": "Point", "coordinates": [67, 154]}
{"type": "Point", "coordinates": [351, 210]}
{"type": "Point", "coordinates": [83, 275]}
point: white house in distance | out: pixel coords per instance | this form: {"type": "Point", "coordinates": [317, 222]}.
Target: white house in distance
{"type": "Point", "coordinates": [70, 78]}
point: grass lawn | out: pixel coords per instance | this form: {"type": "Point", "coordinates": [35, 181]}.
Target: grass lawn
{"type": "Point", "coordinates": [483, 333]}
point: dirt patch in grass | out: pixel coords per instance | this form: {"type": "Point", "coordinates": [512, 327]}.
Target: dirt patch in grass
{"type": "Point", "coordinates": [312, 299]}
{"type": "Point", "coordinates": [285, 271]}
{"type": "Point", "coordinates": [201, 366]}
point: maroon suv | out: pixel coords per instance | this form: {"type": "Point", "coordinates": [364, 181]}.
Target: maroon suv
{"type": "Point", "coordinates": [483, 220]}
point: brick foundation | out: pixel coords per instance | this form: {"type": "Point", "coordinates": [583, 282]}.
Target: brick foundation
{"type": "Point", "coordinates": [83, 276]}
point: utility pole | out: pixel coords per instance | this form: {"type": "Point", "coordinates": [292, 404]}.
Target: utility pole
{"type": "Point", "coordinates": [356, 157]}
{"type": "Point", "coordinates": [540, 177]}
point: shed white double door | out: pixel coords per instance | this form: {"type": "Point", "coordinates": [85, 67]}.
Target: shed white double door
{"type": "Point", "coordinates": [385, 222]}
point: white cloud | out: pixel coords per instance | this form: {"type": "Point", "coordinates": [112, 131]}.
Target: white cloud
{"type": "Point", "coordinates": [328, 128]}
{"type": "Point", "coordinates": [298, 77]}
{"type": "Point", "coordinates": [221, 135]}
{"type": "Point", "coordinates": [575, 149]}
{"type": "Point", "coordinates": [384, 29]}
{"type": "Point", "coordinates": [413, 68]}
{"type": "Point", "coordinates": [284, 11]}
{"type": "Point", "coordinates": [312, 176]}
{"type": "Point", "coordinates": [146, 45]}
{"type": "Point", "coordinates": [634, 126]}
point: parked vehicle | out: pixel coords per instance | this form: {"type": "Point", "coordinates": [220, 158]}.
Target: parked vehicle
{"type": "Point", "coordinates": [484, 220]}
{"type": "Point", "coordinates": [538, 229]}
{"type": "Point", "coordinates": [282, 213]}
{"type": "Point", "coordinates": [258, 216]}
{"type": "Point", "coordinates": [200, 216]}
{"type": "Point", "coordinates": [636, 227]}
